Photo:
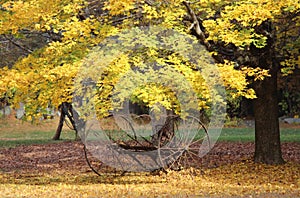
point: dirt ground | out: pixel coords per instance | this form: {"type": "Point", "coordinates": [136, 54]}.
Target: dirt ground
{"type": "Point", "coordinates": [69, 156]}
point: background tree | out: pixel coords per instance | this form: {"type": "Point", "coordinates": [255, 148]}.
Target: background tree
{"type": "Point", "coordinates": [289, 88]}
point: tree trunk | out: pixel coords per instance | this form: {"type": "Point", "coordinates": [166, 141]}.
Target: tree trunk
{"type": "Point", "coordinates": [74, 117]}
{"type": "Point", "coordinates": [267, 133]}
{"type": "Point", "coordinates": [166, 132]}
{"type": "Point", "coordinates": [66, 110]}
{"type": "Point", "coordinates": [60, 126]}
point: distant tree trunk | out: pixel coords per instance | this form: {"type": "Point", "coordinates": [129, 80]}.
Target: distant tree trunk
{"type": "Point", "coordinates": [74, 117]}
{"type": "Point", "coordinates": [267, 133]}
{"type": "Point", "coordinates": [60, 126]}
{"type": "Point", "coordinates": [66, 110]}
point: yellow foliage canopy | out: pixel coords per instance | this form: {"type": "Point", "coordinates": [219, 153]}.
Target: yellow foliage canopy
{"type": "Point", "coordinates": [46, 77]}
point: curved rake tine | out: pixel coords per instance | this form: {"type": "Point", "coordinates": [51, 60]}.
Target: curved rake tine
{"type": "Point", "coordinates": [141, 116]}
{"type": "Point", "coordinates": [116, 157]}
{"type": "Point", "coordinates": [138, 161]}
{"type": "Point", "coordinates": [132, 128]}
{"type": "Point", "coordinates": [88, 161]}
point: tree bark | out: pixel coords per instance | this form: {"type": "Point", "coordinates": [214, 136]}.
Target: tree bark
{"type": "Point", "coordinates": [166, 132]}
{"type": "Point", "coordinates": [66, 110]}
{"type": "Point", "coordinates": [267, 132]}
{"type": "Point", "coordinates": [60, 126]}
{"type": "Point", "coordinates": [73, 117]}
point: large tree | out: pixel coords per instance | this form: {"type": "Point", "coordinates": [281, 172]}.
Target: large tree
{"type": "Point", "coordinates": [261, 34]}
{"type": "Point", "coordinates": [247, 38]}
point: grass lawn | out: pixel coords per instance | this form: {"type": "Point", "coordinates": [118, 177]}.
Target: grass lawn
{"type": "Point", "coordinates": [16, 132]}
{"type": "Point", "coordinates": [21, 133]}
{"type": "Point", "coordinates": [34, 137]}
{"type": "Point", "coordinates": [42, 137]}
{"type": "Point", "coordinates": [247, 134]}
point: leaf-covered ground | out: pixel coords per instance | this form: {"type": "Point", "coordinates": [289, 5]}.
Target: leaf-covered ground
{"type": "Point", "coordinates": [60, 170]}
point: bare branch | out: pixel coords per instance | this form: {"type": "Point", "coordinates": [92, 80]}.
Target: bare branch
{"type": "Point", "coordinates": [149, 2]}
{"type": "Point", "coordinates": [196, 24]}
{"type": "Point", "coordinates": [18, 45]}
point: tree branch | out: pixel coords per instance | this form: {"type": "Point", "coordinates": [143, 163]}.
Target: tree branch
{"type": "Point", "coordinates": [18, 45]}
{"type": "Point", "coordinates": [195, 24]}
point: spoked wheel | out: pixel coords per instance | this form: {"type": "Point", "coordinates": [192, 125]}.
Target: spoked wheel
{"type": "Point", "coordinates": [186, 157]}
{"type": "Point", "coordinates": [183, 150]}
